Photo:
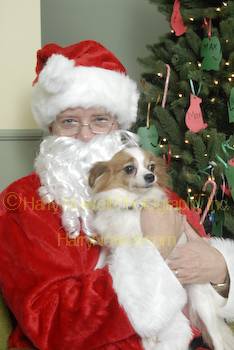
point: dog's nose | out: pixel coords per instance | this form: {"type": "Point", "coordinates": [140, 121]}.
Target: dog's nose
{"type": "Point", "coordinates": [149, 178]}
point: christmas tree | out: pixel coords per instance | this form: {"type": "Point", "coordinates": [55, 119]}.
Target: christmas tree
{"type": "Point", "coordinates": [189, 90]}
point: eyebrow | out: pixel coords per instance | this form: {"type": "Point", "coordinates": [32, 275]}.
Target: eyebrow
{"type": "Point", "coordinates": [66, 116]}
{"type": "Point", "coordinates": [93, 115]}
{"type": "Point", "coordinates": [101, 114]}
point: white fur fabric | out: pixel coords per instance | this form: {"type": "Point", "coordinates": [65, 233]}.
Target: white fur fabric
{"type": "Point", "coordinates": [225, 306]}
{"type": "Point", "coordinates": [151, 296]}
{"type": "Point", "coordinates": [79, 86]}
{"type": "Point", "coordinates": [63, 165]}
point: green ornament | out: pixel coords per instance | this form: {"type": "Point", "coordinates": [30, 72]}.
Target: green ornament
{"type": "Point", "coordinates": [230, 177]}
{"type": "Point", "coordinates": [231, 107]}
{"type": "Point", "coordinates": [219, 219]}
{"type": "Point", "coordinates": [149, 139]}
{"type": "Point", "coordinates": [211, 51]}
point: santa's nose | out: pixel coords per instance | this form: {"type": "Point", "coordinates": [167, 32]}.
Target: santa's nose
{"type": "Point", "coordinates": [85, 133]}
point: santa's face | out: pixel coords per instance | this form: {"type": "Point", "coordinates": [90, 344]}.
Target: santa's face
{"type": "Point", "coordinates": [83, 124]}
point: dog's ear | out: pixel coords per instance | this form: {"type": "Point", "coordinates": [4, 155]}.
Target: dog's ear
{"type": "Point", "coordinates": [97, 170]}
{"type": "Point", "coordinates": [160, 171]}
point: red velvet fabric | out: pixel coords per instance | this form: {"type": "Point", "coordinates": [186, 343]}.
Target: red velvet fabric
{"type": "Point", "coordinates": [87, 53]}
{"type": "Point", "coordinates": [49, 282]}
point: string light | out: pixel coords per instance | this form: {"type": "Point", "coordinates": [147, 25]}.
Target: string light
{"type": "Point", "coordinates": [230, 79]}
{"type": "Point", "coordinates": [160, 75]}
{"type": "Point", "coordinates": [199, 64]}
{"type": "Point", "coordinates": [164, 140]}
{"type": "Point", "coordinates": [161, 146]}
{"type": "Point", "coordinates": [205, 154]}
{"type": "Point", "coordinates": [216, 82]}
{"type": "Point", "coordinates": [218, 9]}
{"type": "Point", "coordinates": [186, 141]}
{"type": "Point", "coordinates": [189, 190]}
{"type": "Point", "coordinates": [208, 136]}
{"type": "Point", "coordinates": [227, 63]}
{"type": "Point", "coordinates": [180, 95]}
{"type": "Point", "coordinates": [172, 31]}
{"type": "Point", "coordinates": [213, 100]}
{"type": "Point", "coordinates": [224, 3]}
{"type": "Point", "coordinates": [227, 40]}
{"type": "Point", "coordinates": [191, 19]}
{"type": "Point", "coordinates": [232, 75]}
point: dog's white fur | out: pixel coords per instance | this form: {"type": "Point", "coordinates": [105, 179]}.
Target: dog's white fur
{"type": "Point", "coordinates": [147, 289]}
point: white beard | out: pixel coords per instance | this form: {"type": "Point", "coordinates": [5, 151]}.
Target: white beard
{"type": "Point", "coordinates": [63, 166]}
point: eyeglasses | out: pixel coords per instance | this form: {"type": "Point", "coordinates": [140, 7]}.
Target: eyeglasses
{"type": "Point", "coordinates": [70, 127]}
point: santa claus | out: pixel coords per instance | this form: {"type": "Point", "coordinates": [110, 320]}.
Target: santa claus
{"type": "Point", "coordinates": [84, 97]}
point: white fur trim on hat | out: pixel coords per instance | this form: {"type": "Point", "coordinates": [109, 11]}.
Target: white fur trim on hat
{"type": "Point", "coordinates": [61, 86]}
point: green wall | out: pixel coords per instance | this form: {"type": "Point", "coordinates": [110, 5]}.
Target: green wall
{"type": "Point", "coordinates": [17, 153]}
{"type": "Point", "coordinates": [124, 27]}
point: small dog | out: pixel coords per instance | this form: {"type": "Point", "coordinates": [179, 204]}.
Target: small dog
{"type": "Point", "coordinates": [151, 295]}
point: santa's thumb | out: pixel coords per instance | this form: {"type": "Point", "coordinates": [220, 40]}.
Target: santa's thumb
{"type": "Point", "coordinates": [189, 231]}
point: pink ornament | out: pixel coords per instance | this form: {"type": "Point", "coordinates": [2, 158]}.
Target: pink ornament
{"type": "Point", "coordinates": [231, 162]}
{"type": "Point", "coordinates": [226, 190]}
{"type": "Point", "coordinates": [194, 118]}
{"type": "Point", "coordinates": [177, 21]}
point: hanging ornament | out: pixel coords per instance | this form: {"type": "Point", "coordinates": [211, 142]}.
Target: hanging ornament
{"type": "Point", "coordinates": [230, 176]}
{"type": "Point", "coordinates": [177, 21]}
{"type": "Point", "coordinates": [231, 107]}
{"type": "Point", "coordinates": [210, 50]}
{"type": "Point", "coordinates": [229, 166]}
{"type": "Point", "coordinates": [148, 134]}
{"type": "Point", "coordinates": [217, 225]}
{"type": "Point", "coordinates": [194, 119]}
{"type": "Point", "coordinates": [226, 190]}
{"type": "Point", "coordinates": [195, 212]}
{"type": "Point", "coordinates": [149, 139]}
{"type": "Point", "coordinates": [198, 202]}
{"type": "Point", "coordinates": [219, 215]}
{"type": "Point", "coordinates": [209, 200]}
{"type": "Point", "coordinates": [231, 162]}
{"type": "Point", "coordinates": [168, 160]}
{"type": "Point", "coordinates": [166, 85]}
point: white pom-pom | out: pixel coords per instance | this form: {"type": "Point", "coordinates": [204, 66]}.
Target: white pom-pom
{"type": "Point", "coordinates": [57, 74]}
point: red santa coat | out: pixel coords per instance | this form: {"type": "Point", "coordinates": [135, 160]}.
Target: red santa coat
{"type": "Point", "coordinates": [49, 282]}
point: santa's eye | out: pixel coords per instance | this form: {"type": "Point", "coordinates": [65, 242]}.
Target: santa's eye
{"type": "Point", "coordinates": [151, 167]}
{"type": "Point", "coordinates": [129, 169]}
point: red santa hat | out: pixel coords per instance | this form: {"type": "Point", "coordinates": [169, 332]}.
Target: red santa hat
{"type": "Point", "coordinates": [83, 75]}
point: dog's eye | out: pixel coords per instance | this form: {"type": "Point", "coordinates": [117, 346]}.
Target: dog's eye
{"type": "Point", "coordinates": [129, 169]}
{"type": "Point", "coordinates": [151, 167]}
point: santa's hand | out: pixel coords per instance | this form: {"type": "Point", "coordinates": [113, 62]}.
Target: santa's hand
{"type": "Point", "coordinates": [197, 261]}
{"type": "Point", "coordinates": [163, 226]}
